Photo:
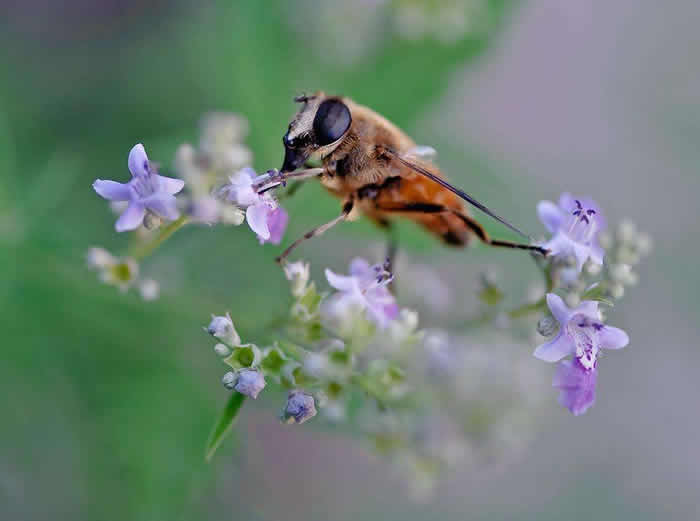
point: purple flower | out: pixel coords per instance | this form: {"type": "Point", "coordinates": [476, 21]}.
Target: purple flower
{"type": "Point", "coordinates": [265, 217]}
{"type": "Point", "coordinates": [576, 385]}
{"type": "Point", "coordinates": [574, 225]}
{"type": "Point", "coordinates": [250, 382]}
{"type": "Point", "coordinates": [364, 289]}
{"type": "Point", "coordinates": [300, 407]}
{"type": "Point", "coordinates": [146, 191]}
{"type": "Point", "coordinates": [583, 335]}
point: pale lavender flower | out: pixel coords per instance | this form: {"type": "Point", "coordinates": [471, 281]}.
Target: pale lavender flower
{"type": "Point", "coordinates": [576, 385]}
{"type": "Point", "coordinates": [365, 288]}
{"type": "Point", "coordinates": [146, 191]}
{"type": "Point", "coordinates": [300, 407]}
{"type": "Point", "coordinates": [222, 327]}
{"type": "Point", "coordinates": [574, 225]}
{"type": "Point", "coordinates": [583, 335]}
{"type": "Point", "coordinates": [265, 217]}
{"type": "Point", "coordinates": [250, 382]}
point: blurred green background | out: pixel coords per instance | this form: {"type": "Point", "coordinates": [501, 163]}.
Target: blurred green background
{"type": "Point", "coordinates": [107, 401]}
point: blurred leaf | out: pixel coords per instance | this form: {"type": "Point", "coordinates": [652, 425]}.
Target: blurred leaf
{"type": "Point", "coordinates": [224, 423]}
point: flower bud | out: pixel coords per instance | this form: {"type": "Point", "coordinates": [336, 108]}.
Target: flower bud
{"type": "Point", "coordinates": [222, 328]}
{"type": "Point", "coordinates": [222, 350]}
{"type": "Point", "coordinates": [298, 274]}
{"type": "Point", "coordinates": [300, 407]}
{"type": "Point", "coordinates": [151, 221]}
{"type": "Point", "coordinates": [149, 289]}
{"type": "Point", "coordinates": [617, 290]}
{"type": "Point", "coordinates": [547, 326]}
{"type": "Point", "coordinates": [250, 382]}
{"type": "Point", "coordinates": [229, 379]}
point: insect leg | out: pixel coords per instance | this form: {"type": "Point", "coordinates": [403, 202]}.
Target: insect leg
{"type": "Point", "coordinates": [276, 178]}
{"type": "Point", "coordinates": [347, 208]}
{"type": "Point", "coordinates": [473, 225]}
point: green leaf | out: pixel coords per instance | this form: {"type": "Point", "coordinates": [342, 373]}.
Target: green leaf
{"type": "Point", "coordinates": [224, 423]}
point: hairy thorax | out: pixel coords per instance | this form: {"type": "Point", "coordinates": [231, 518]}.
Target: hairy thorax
{"type": "Point", "coordinates": [357, 161]}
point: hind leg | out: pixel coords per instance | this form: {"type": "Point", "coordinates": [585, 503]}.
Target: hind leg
{"type": "Point", "coordinates": [472, 225]}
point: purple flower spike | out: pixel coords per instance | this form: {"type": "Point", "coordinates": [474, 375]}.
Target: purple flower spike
{"type": "Point", "coordinates": [265, 217]}
{"type": "Point", "coordinates": [583, 335]}
{"type": "Point", "coordinates": [574, 225]}
{"type": "Point", "coordinates": [365, 289]}
{"type": "Point", "coordinates": [146, 191]}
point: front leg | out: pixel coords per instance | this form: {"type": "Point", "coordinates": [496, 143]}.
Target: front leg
{"type": "Point", "coordinates": [274, 178]}
{"type": "Point", "coordinates": [347, 208]}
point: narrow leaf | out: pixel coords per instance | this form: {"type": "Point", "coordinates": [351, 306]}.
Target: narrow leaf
{"type": "Point", "coordinates": [224, 423]}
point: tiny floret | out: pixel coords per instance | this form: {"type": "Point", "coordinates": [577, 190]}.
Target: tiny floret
{"type": "Point", "coordinates": [250, 382]}
{"type": "Point", "coordinates": [265, 217]}
{"type": "Point", "coordinates": [221, 327]}
{"type": "Point", "coordinates": [364, 289]}
{"type": "Point", "coordinates": [146, 191]}
{"type": "Point", "coordinates": [300, 407]}
{"type": "Point", "coordinates": [583, 335]}
{"type": "Point", "coordinates": [297, 274]}
{"type": "Point", "coordinates": [574, 225]}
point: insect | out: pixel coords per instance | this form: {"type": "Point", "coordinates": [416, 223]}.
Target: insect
{"type": "Point", "coordinates": [377, 171]}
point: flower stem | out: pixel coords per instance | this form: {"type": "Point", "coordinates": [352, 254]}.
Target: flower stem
{"type": "Point", "coordinates": [144, 250]}
{"type": "Point", "coordinates": [526, 309]}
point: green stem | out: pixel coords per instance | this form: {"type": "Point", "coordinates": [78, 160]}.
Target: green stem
{"type": "Point", "coordinates": [526, 309]}
{"type": "Point", "coordinates": [144, 250]}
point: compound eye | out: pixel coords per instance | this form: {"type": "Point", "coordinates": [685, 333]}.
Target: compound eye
{"type": "Point", "coordinates": [331, 122]}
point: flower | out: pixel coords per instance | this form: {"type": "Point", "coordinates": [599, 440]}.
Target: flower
{"type": "Point", "coordinates": [222, 328]}
{"type": "Point", "coordinates": [298, 274]}
{"type": "Point", "coordinates": [119, 272]}
{"type": "Point", "coordinates": [574, 224]}
{"type": "Point", "coordinates": [300, 407]}
{"type": "Point", "coordinates": [250, 382]}
{"type": "Point", "coordinates": [583, 335]}
{"type": "Point", "coordinates": [265, 217]}
{"type": "Point", "coordinates": [146, 191]}
{"type": "Point", "coordinates": [576, 385]}
{"type": "Point", "coordinates": [365, 289]}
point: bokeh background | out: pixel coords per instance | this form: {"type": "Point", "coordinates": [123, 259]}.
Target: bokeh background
{"type": "Point", "coordinates": [106, 401]}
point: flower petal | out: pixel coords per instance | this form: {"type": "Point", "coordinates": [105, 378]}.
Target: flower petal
{"type": "Point", "coordinates": [257, 216]}
{"type": "Point", "coordinates": [138, 161]}
{"type": "Point", "coordinates": [359, 267]}
{"type": "Point", "coordinates": [581, 253]}
{"type": "Point", "coordinates": [550, 215]}
{"type": "Point", "coordinates": [131, 218]}
{"type": "Point", "coordinates": [567, 202]}
{"type": "Point", "coordinates": [111, 190]}
{"type": "Point", "coordinates": [165, 205]}
{"type": "Point", "coordinates": [277, 223]}
{"type": "Point", "coordinates": [169, 185]}
{"type": "Point", "coordinates": [559, 309]}
{"type": "Point", "coordinates": [576, 385]}
{"type": "Point", "coordinates": [342, 283]}
{"type": "Point", "coordinates": [613, 338]}
{"type": "Point", "coordinates": [588, 308]}
{"type": "Point", "coordinates": [556, 349]}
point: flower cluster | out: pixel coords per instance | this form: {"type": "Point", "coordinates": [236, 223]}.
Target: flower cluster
{"type": "Point", "coordinates": [219, 189]}
{"type": "Point", "coordinates": [428, 399]}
